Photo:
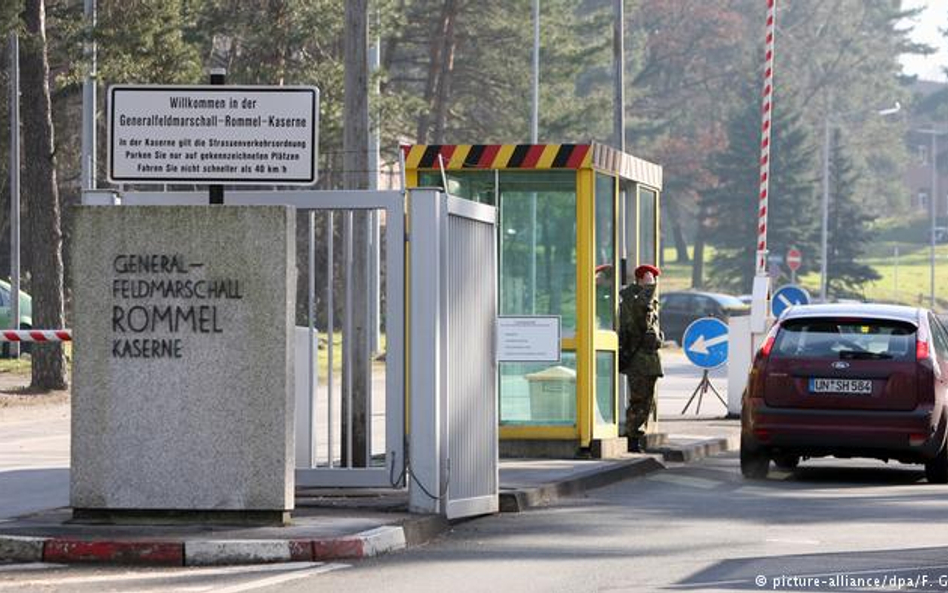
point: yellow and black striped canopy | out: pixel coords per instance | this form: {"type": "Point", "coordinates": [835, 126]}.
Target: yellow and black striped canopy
{"type": "Point", "coordinates": [532, 156]}
{"type": "Point", "coordinates": [498, 156]}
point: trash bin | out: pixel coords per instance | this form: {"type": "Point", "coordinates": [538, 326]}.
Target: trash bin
{"type": "Point", "coordinates": [553, 395]}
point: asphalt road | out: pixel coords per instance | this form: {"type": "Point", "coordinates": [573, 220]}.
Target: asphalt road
{"type": "Point", "coordinates": [699, 527]}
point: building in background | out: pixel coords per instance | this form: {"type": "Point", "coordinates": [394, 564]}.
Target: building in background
{"type": "Point", "coordinates": [923, 118]}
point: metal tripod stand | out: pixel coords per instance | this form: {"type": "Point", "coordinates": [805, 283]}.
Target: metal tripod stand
{"type": "Point", "coordinates": [703, 386]}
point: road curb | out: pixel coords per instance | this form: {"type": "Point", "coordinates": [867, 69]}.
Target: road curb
{"type": "Point", "coordinates": [17, 548]}
{"type": "Point", "coordinates": [76, 550]}
{"type": "Point", "coordinates": [517, 500]}
{"type": "Point", "coordinates": [697, 450]}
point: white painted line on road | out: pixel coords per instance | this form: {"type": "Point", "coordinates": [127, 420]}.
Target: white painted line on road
{"type": "Point", "coordinates": [277, 580]}
{"type": "Point", "coordinates": [190, 573]}
{"type": "Point", "coordinates": [802, 542]}
{"type": "Point", "coordinates": [685, 481]}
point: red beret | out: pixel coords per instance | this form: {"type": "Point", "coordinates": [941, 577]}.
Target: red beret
{"type": "Point", "coordinates": [640, 271]}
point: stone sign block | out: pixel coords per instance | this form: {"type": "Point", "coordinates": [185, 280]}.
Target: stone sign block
{"type": "Point", "coordinates": [183, 359]}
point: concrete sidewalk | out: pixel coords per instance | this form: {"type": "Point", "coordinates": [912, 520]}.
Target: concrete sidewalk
{"type": "Point", "coordinates": [36, 526]}
{"type": "Point", "coordinates": [327, 524]}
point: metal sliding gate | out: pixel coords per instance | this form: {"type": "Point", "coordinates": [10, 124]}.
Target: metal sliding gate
{"type": "Point", "coordinates": [324, 434]}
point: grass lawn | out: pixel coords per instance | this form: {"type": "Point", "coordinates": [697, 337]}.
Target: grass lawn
{"type": "Point", "coordinates": [322, 357]}
{"type": "Point", "coordinates": [913, 268]}
{"type": "Point", "coordinates": [15, 366]}
{"type": "Point", "coordinates": [914, 272]}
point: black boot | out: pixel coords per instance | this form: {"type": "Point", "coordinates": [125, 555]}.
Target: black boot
{"type": "Point", "coordinates": [636, 442]}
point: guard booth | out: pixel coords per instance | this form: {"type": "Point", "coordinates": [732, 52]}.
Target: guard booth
{"type": "Point", "coordinates": [570, 217]}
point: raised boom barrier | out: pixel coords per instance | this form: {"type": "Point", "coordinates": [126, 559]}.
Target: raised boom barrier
{"type": "Point", "coordinates": [36, 335]}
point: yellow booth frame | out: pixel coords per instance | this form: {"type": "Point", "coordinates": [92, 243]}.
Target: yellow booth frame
{"type": "Point", "coordinates": [634, 180]}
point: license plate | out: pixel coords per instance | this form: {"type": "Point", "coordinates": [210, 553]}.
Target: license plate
{"type": "Point", "coordinates": [847, 386]}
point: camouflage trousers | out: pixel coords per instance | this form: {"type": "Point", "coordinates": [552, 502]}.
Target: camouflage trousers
{"type": "Point", "coordinates": [641, 404]}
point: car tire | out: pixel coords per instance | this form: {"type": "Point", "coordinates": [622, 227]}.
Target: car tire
{"type": "Point", "coordinates": [787, 462]}
{"type": "Point", "coordinates": [936, 470]}
{"type": "Point", "coordinates": [755, 462]}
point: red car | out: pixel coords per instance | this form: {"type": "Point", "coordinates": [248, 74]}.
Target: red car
{"type": "Point", "coordinates": [848, 381]}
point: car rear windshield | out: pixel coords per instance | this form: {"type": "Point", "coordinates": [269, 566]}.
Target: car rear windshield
{"type": "Point", "coordinates": [845, 339]}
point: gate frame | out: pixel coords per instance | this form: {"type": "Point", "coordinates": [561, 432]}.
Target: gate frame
{"type": "Point", "coordinates": [393, 202]}
{"type": "Point", "coordinates": [430, 418]}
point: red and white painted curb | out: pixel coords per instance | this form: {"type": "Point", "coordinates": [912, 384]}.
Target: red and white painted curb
{"type": "Point", "coordinates": [36, 335]}
{"type": "Point", "coordinates": [369, 543]}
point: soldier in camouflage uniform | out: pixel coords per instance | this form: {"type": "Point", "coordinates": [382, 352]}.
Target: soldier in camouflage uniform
{"type": "Point", "coordinates": [639, 341]}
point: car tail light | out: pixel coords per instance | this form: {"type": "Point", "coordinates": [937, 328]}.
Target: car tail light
{"type": "Point", "coordinates": [768, 344]}
{"type": "Point", "coordinates": [921, 350]}
{"type": "Point", "coordinates": [917, 440]}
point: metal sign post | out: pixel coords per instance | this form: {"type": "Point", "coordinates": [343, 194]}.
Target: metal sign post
{"type": "Point", "coordinates": [215, 193]}
{"type": "Point", "coordinates": [14, 188]}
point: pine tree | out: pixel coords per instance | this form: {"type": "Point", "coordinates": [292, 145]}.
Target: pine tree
{"type": "Point", "coordinates": [793, 218]}
{"type": "Point", "coordinates": [848, 228]}
{"type": "Point", "coordinates": [42, 193]}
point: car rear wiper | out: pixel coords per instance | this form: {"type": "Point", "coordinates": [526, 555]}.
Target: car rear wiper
{"type": "Point", "coordinates": [863, 355]}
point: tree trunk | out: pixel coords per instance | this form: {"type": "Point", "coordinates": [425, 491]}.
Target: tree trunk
{"type": "Point", "coordinates": [447, 70]}
{"type": "Point", "coordinates": [697, 268]}
{"type": "Point", "coordinates": [39, 183]}
{"type": "Point", "coordinates": [277, 59]}
{"type": "Point", "coordinates": [357, 373]}
{"type": "Point", "coordinates": [441, 57]}
{"type": "Point", "coordinates": [678, 235]}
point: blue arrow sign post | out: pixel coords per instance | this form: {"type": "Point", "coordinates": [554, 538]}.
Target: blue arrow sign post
{"type": "Point", "coordinates": [787, 297]}
{"type": "Point", "coordinates": [705, 345]}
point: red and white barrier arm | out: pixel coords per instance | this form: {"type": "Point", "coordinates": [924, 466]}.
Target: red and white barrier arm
{"type": "Point", "coordinates": [36, 335]}
{"type": "Point", "coordinates": [767, 115]}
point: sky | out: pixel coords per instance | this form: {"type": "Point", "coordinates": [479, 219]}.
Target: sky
{"type": "Point", "coordinates": [926, 30]}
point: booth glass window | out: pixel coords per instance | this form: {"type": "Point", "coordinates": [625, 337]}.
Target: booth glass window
{"type": "Point", "coordinates": [605, 251]}
{"type": "Point", "coordinates": [605, 387]}
{"type": "Point", "coordinates": [538, 245]}
{"type": "Point", "coordinates": [630, 212]}
{"type": "Point", "coordinates": [542, 394]}
{"type": "Point", "coordinates": [647, 214]}
{"type": "Point", "coordinates": [477, 186]}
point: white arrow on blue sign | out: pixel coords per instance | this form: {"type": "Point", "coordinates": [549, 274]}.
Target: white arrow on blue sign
{"type": "Point", "coordinates": [705, 342]}
{"type": "Point", "coordinates": [788, 296]}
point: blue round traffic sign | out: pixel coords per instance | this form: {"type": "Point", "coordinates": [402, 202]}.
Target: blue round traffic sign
{"type": "Point", "coordinates": [788, 296]}
{"type": "Point", "coordinates": [705, 342]}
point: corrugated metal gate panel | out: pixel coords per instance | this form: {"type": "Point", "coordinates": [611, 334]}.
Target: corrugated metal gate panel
{"type": "Point", "coordinates": [471, 304]}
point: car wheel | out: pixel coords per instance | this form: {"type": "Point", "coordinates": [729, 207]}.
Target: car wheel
{"type": "Point", "coordinates": [936, 470]}
{"type": "Point", "coordinates": [755, 462]}
{"type": "Point", "coordinates": [787, 462]}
